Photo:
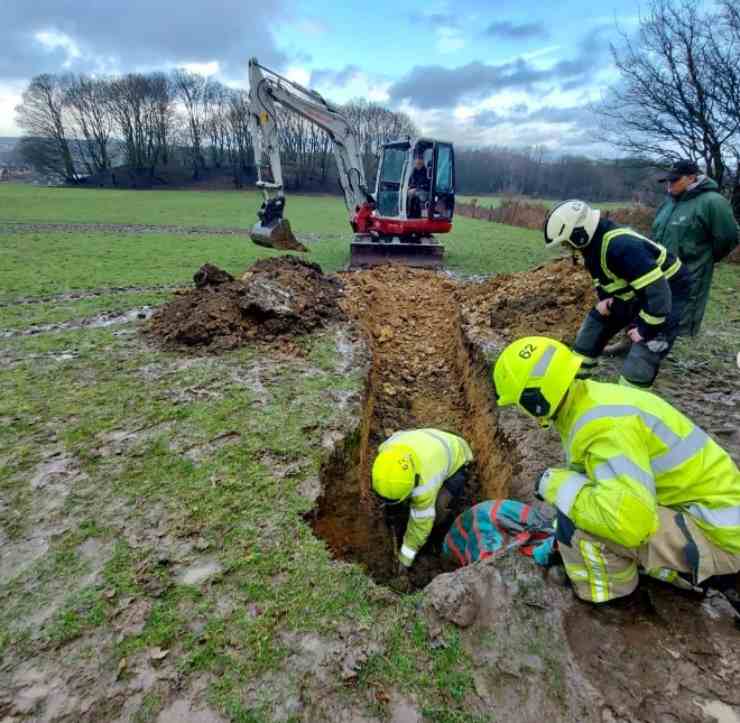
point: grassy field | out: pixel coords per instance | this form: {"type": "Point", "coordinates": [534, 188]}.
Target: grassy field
{"type": "Point", "coordinates": [38, 263]}
{"type": "Point", "coordinates": [493, 200]}
{"type": "Point", "coordinates": [163, 460]}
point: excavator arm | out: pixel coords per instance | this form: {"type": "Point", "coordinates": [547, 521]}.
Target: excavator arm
{"type": "Point", "coordinates": [266, 89]}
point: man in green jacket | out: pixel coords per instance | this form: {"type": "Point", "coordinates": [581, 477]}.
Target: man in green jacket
{"type": "Point", "coordinates": [644, 489]}
{"type": "Point", "coordinates": [427, 467]}
{"type": "Point", "coordinates": [696, 224]}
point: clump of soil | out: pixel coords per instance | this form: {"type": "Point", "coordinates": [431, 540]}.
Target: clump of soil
{"type": "Point", "coordinates": [551, 300]}
{"type": "Point", "coordinates": [277, 296]}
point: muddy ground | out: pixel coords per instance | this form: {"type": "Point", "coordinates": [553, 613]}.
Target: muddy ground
{"type": "Point", "coordinates": [422, 341]}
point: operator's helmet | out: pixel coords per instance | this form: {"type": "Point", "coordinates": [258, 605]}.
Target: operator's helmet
{"type": "Point", "coordinates": [573, 222]}
{"type": "Point", "coordinates": [535, 373]}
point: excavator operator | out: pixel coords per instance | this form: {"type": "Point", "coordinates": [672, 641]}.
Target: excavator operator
{"type": "Point", "coordinates": [418, 187]}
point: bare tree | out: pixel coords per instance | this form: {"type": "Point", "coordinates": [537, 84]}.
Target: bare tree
{"type": "Point", "coordinates": [676, 80]}
{"type": "Point", "coordinates": [141, 106]}
{"type": "Point", "coordinates": [41, 115]}
{"type": "Point", "coordinates": [194, 94]}
{"type": "Point", "coordinates": [87, 100]}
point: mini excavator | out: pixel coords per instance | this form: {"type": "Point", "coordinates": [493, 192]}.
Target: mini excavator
{"type": "Point", "coordinates": [397, 222]}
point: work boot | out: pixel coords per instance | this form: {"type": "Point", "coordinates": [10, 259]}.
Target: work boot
{"type": "Point", "coordinates": [620, 347]}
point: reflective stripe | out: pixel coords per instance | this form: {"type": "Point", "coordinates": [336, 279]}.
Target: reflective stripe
{"type": "Point", "coordinates": [596, 566]}
{"type": "Point", "coordinates": [408, 552]}
{"type": "Point", "coordinates": [445, 444]}
{"type": "Point", "coordinates": [624, 575]}
{"type": "Point", "coordinates": [576, 572]}
{"type": "Point", "coordinates": [623, 465]}
{"type": "Point", "coordinates": [615, 286]}
{"type": "Point", "coordinates": [625, 297]}
{"type": "Point", "coordinates": [423, 514]}
{"type": "Point", "coordinates": [673, 268]}
{"type": "Point", "coordinates": [433, 483]}
{"type": "Point", "coordinates": [681, 452]}
{"type": "Point", "coordinates": [720, 517]}
{"type": "Point", "coordinates": [650, 276]}
{"type": "Point", "coordinates": [543, 483]}
{"type": "Point", "coordinates": [568, 491]}
{"type": "Point", "coordinates": [604, 411]}
{"type": "Point", "coordinates": [650, 319]}
{"type": "Point", "coordinates": [542, 365]}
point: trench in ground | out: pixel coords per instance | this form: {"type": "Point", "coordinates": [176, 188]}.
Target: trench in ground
{"type": "Point", "coordinates": [424, 373]}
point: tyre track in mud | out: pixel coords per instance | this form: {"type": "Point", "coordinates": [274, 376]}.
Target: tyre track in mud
{"type": "Point", "coordinates": [423, 374]}
{"type": "Point", "coordinates": [88, 294]}
{"type": "Point", "coordinates": [124, 228]}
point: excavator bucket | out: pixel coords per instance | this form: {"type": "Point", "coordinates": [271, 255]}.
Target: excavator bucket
{"type": "Point", "coordinates": [276, 235]}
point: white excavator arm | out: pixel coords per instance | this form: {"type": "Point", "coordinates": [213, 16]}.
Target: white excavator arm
{"type": "Point", "coordinates": [266, 88]}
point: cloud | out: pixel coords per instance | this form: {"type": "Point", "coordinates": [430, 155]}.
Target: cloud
{"type": "Point", "coordinates": [89, 35]}
{"type": "Point", "coordinates": [449, 40]}
{"type": "Point", "coordinates": [337, 78]}
{"type": "Point", "coordinates": [434, 86]}
{"type": "Point", "coordinates": [552, 115]}
{"type": "Point", "coordinates": [435, 19]}
{"type": "Point", "coordinates": [513, 31]}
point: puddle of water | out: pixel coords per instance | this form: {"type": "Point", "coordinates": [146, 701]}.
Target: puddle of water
{"type": "Point", "coordinates": [721, 712]}
{"type": "Point", "coordinates": [95, 322]}
{"type": "Point", "coordinates": [200, 572]}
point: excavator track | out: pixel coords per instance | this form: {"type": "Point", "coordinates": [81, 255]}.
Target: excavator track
{"type": "Point", "coordinates": [427, 253]}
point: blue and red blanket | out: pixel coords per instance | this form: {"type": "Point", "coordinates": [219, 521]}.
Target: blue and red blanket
{"type": "Point", "coordinates": [493, 527]}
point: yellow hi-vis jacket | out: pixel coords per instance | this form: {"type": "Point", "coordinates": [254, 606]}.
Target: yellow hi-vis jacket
{"type": "Point", "coordinates": [628, 451]}
{"type": "Point", "coordinates": [440, 455]}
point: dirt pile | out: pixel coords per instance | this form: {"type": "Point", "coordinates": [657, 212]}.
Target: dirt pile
{"type": "Point", "coordinates": [552, 300]}
{"type": "Point", "coordinates": [276, 296]}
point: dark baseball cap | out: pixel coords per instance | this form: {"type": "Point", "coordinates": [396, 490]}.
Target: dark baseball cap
{"type": "Point", "coordinates": [680, 168]}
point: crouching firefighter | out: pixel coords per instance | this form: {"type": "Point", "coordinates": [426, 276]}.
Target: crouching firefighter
{"type": "Point", "coordinates": [640, 286]}
{"type": "Point", "coordinates": [645, 489]}
{"type": "Point", "coordinates": [429, 469]}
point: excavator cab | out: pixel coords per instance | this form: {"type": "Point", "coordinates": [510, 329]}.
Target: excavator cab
{"type": "Point", "coordinates": [414, 199]}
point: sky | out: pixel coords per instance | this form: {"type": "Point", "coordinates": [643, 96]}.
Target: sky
{"type": "Point", "coordinates": [511, 72]}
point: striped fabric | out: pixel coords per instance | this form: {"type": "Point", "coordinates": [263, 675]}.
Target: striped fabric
{"type": "Point", "coordinates": [493, 527]}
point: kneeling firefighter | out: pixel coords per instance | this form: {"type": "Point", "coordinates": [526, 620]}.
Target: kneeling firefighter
{"type": "Point", "coordinates": [640, 286]}
{"type": "Point", "coordinates": [428, 468]}
{"type": "Point", "coordinates": [645, 488]}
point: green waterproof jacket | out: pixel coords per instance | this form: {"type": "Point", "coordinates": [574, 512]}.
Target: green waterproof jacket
{"type": "Point", "coordinates": [700, 229]}
{"type": "Point", "coordinates": [629, 451]}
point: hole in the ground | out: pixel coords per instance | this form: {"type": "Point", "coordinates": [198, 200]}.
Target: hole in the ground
{"type": "Point", "coordinates": [424, 374]}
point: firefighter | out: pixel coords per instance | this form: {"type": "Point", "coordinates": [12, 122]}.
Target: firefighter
{"type": "Point", "coordinates": [645, 489]}
{"type": "Point", "coordinates": [429, 469]}
{"type": "Point", "coordinates": [640, 287]}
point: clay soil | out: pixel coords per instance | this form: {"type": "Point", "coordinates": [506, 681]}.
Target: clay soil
{"type": "Point", "coordinates": [410, 318]}
{"type": "Point", "coordinates": [552, 300]}
{"type": "Point", "coordinates": [277, 296]}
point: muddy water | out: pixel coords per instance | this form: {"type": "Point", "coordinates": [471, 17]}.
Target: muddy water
{"type": "Point", "coordinates": [423, 374]}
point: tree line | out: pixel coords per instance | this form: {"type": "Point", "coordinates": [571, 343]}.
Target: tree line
{"type": "Point", "coordinates": [79, 127]}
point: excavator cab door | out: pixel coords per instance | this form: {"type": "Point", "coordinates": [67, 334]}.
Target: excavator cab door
{"type": "Point", "coordinates": [443, 182]}
{"type": "Point", "coordinates": [391, 171]}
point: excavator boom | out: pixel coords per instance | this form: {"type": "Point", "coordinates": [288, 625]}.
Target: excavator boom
{"type": "Point", "coordinates": [266, 89]}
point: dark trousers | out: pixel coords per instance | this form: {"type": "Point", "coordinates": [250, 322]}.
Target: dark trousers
{"type": "Point", "coordinates": [643, 360]}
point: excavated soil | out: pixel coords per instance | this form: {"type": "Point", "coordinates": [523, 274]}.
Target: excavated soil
{"type": "Point", "coordinates": [274, 297]}
{"type": "Point", "coordinates": [552, 299]}
{"type": "Point", "coordinates": [424, 373]}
